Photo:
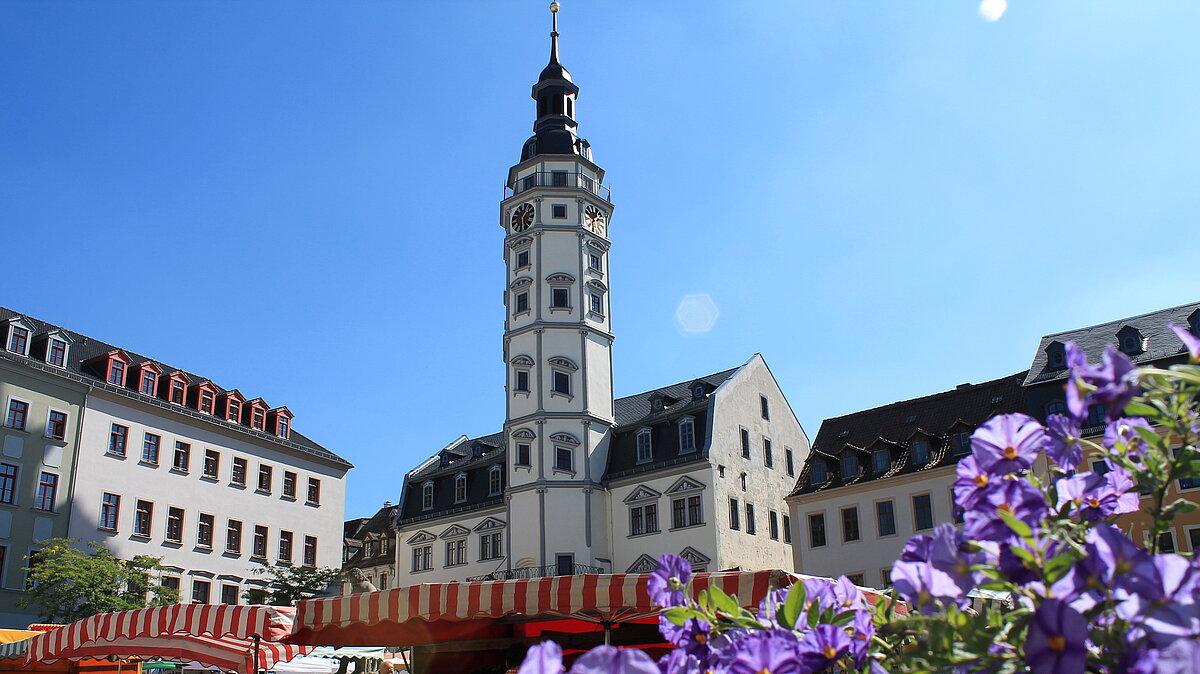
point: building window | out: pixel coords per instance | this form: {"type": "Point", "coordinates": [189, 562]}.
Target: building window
{"type": "Point", "coordinates": [522, 454]}
{"type": "Point", "coordinates": [745, 444]}
{"type": "Point", "coordinates": [282, 427]}
{"type": "Point", "coordinates": [789, 460]}
{"type": "Point", "coordinates": [265, 479]}
{"type": "Point", "coordinates": [495, 481]}
{"type": "Point", "coordinates": [922, 512]}
{"type": "Point", "coordinates": [596, 303]}
{"type": "Point", "coordinates": [285, 546]}
{"type": "Point", "coordinates": [149, 383]}
{"type": "Point", "coordinates": [233, 410]}
{"type": "Point", "coordinates": [787, 529]}
{"type": "Point", "coordinates": [204, 531]}
{"type": "Point", "coordinates": [558, 178]}
{"type": "Point", "coordinates": [456, 552]}
{"type": "Point", "coordinates": [212, 464]}
{"type": "Point", "coordinates": [229, 595]}
{"type": "Point", "coordinates": [687, 435]}
{"type": "Point", "coordinates": [116, 372]}
{"type": "Point", "coordinates": [176, 392]}
{"type": "Point", "coordinates": [751, 525]}
{"type": "Point", "coordinates": [422, 558]}
{"type": "Point", "coordinates": [289, 484]}
{"type": "Point", "coordinates": [849, 524]}
{"type": "Point", "coordinates": [849, 464]}
{"type": "Point", "coordinates": [881, 461]}
{"type": "Point", "coordinates": [960, 443]}
{"type": "Point", "coordinates": [427, 496]}
{"type": "Point", "coordinates": [773, 524]}
{"type": "Point", "coordinates": [560, 298]}
{"type": "Point", "coordinates": [734, 515]}
{"type": "Point", "coordinates": [143, 518]}
{"type": "Point", "coordinates": [564, 458]}
{"type": "Point", "coordinates": [56, 353]}
{"type": "Point", "coordinates": [768, 455]}
{"type": "Point", "coordinates": [1166, 542]}
{"type": "Point", "coordinates": [885, 518]}
{"type": "Point", "coordinates": [562, 383]}
{"type": "Point", "coordinates": [237, 476]}
{"type": "Point", "coordinates": [233, 537]}
{"type": "Point", "coordinates": [643, 519]}
{"type": "Point", "coordinates": [522, 258]}
{"type": "Point", "coordinates": [920, 451]}
{"type": "Point", "coordinates": [310, 551]}
{"type": "Point", "coordinates": [47, 492]}
{"type": "Point", "coordinates": [183, 456]}
{"type": "Point", "coordinates": [18, 340]}
{"type": "Point", "coordinates": [522, 302]}
{"type": "Point", "coordinates": [110, 510]}
{"type": "Point", "coordinates": [8, 484]}
{"type": "Point", "coordinates": [200, 590]}
{"type": "Point", "coordinates": [208, 401]}
{"type": "Point", "coordinates": [816, 530]}
{"type": "Point", "coordinates": [1056, 407]}
{"type": "Point", "coordinates": [594, 262]}
{"type": "Point", "coordinates": [150, 443]}
{"type": "Point", "coordinates": [490, 547]}
{"type": "Point", "coordinates": [314, 491]}
{"type": "Point", "coordinates": [56, 425]}
{"type": "Point", "coordinates": [18, 415]}
{"type": "Point", "coordinates": [460, 488]}
{"type": "Point", "coordinates": [558, 211]}
{"type": "Point", "coordinates": [645, 450]}
{"type": "Point", "coordinates": [818, 471]}
{"type": "Point", "coordinates": [521, 385]}
{"type": "Point", "coordinates": [258, 419]}
{"type": "Point", "coordinates": [258, 549]}
{"type": "Point", "coordinates": [174, 525]}
{"type": "Point", "coordinates": [764, 407]}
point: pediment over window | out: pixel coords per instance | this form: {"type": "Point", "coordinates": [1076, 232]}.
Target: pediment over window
{"type": "Point", "coordinates": [520, 283]}
{"type": "Point", "coordinates": [522, 361]}
{"type": "Point", "coordinates": [524, 434]}
{"type": "Point", "coordinates": [565, 439]}
{"type": "Point", "coordinates": [597, 285]}
{"type": "Point", "coordinates": [694, 556]}
{"type": "Point", "coordinates": [520, 242]}
{"type": "Point", "coordinates": [642, 493]}
{"type": "Point", "coordinates": [421, 537]}
{"type": "Point", "coordinates": [564, 363]}
{"type": "Point", "coordinates": [643, 564]}
{"type": "Point", "coordinates": [489, 524]}
{"type": "Point", "coordinates": [560, 278]}
{"type": "Point", "coordinates": [598, 245]}
{"type": "Point", "coordinates": [455, 531]}
{"type": "Point", "coordinates": [683, 484]}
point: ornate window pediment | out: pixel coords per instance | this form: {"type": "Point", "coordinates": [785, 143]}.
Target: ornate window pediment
{"type": "Point", "coordinates": [598, 244]}
{"type": "Point", "coordinates": [697, 558]}
{"type": "Point", "coordinates": [643, 564]}
{"type": "Point", "coordinates": [520, 283]}
{"type": "Point", "coordinates": [597, 286]}
{"type": "Point", "coordinates": [522, 361]}
{"type": "Point", "coordinates": [524, 434]}
{"type": "Point", "coordinates": [490, 524]}
{"type": "Point", "coordinates": [560, 279]}
{"type": "Point", "coordinates": [520, 242]}
{"type": "Point", "coordinates": [563, 363]}
{"type": "Point", "coordinates": [455, 531]}
{"type": "Point", "coordinates": [565, 439]}
{"type": "Point", "coordinates": [421, 537]}
{"type": "Point", "coordinates": [684, 484]}
{"type": "Point", "coordinates": [641, 493]}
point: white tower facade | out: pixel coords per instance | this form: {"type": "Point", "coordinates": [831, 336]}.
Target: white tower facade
{"type": "Point", "coordinates": [557, 339]}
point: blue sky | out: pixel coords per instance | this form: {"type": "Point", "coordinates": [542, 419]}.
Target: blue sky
{"type": "Point", "coordinates": [885, 199]}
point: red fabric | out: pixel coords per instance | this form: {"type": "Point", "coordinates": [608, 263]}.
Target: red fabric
{"type": "Point", "coordinates": [227, 653]}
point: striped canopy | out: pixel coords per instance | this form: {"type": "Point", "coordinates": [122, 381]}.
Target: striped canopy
{"type": "Point", "coordinates": [228, 653]}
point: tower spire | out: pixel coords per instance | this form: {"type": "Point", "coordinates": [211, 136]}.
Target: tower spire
{"type": "Point", "coordinates": [554, 32]}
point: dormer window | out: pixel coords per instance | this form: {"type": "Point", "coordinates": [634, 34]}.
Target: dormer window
{"type": "Point", "coordinates": [849, 464]}
{"type": "Point", "coordinates": [230, 406]}
{"type": "Point", "coordinates": [177, 388]}
{"type": "Point", "coordinates": [1129, 339]}
{"type": "Point", "coordinates": [207, 401]}
{"type": "Point", "coordinates": [960, 442]}
{"type": "Point", "coordinates": [656, 403]}
{"type": "Point", "coordinates": [279, 420]}
{"type": "Point", "coordinates": [460, 487]}
{"type": "Point", "coordinates": [1056, 357]}
{"type": "Point", "coordinates": [645, 451]}
{"type": "Point", "coordinates": [687, 435]}
{"type": "Point", "coordinates": [819, 471]}
{"type": "Point", "coordinates": [18, 338]}
{"type": "Point", "coordinates": [116, 372]}
{"type": "Point", "coordinates": [881, 460]}
{"type": "Point", "coordinates": [258, 420]}
{"type": "Point", "coordinates": [148, 382]}
{"type": "Point", "coordinates": [920, 451]}
{"type": "Point", "coordinates": [427, 496]}
{"type": "Point", "coordinates": [281, 428]}
{"type": "Point", "coordinates": [495, 481]}
{"type": "Point", "coordinates": [698, 392]}
{"type": "Point", "coordinates": [56, 352]}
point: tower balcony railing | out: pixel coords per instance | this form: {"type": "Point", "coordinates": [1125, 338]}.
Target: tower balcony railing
{"type": "Point", "coordinates": [530, 572]}
{"type": "Point", "coordinates": [566, 179]}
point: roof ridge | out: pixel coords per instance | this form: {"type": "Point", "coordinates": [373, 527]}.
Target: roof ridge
{"type": "Point", "coordinates": [680, 383]}
{"type": "Point", "coordinates": [930, 396]}
{"type": "Point", "coordinates": [1125, 319]}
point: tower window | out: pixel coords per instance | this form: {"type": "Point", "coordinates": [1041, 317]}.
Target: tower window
{"type": "Point", "coordinates": [522, 258]}
{"type": "Point", "coordinates": [594, 262]}
{"type": "Point", "coordinates": [522, 454]}
{"type": "Point", "coordinates": [559, 211]}
{"type": "Point", "coordinates": [570, 107]}
{"type": "Point", "coordinates": [521, 385]}
{"type": "Point", "coordinates": [522, 303]}
{"type": "Point", "coordinates": [560, 298]}
{"type": "Point", "coordinates": [596, 305]}
{"type": "Point", "coordinates": [563, 459]}
{"type": "Point", "coordinates": [562, 383]}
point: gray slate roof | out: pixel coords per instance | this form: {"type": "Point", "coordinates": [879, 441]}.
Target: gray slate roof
{"type": "Point", "coordinates": [1160, 342]}
{"type": "Point", "coordinates": [636, 408]}
{"type": "Point", "coordinates": [84, 348]}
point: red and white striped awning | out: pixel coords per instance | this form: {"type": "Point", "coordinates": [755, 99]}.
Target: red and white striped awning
{"type": "Point", "coordinates": [422, 614]}
{"type": "Point", "coordinates": [227, 653]}
{"type": "Point", "coordinates": [270, 623]}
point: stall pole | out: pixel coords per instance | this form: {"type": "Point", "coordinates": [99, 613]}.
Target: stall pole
{"type": "Point", "coordinates": [257, 652]}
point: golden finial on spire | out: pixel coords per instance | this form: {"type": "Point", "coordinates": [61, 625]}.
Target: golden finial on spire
{"type": "Point", "coordinates": [554, 8]}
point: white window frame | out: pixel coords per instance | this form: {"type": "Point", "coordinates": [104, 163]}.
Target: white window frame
{"type": "Point", "coordinates": [8, 334]}
{"type": "Point", "coordinates": [427, 495]}
{"type": "Point", "coordinates": [645, 441]}
{"type": "Point", "coordinates": [690, 435]}
{"type": "Point", "coordinates": [66, 421]}
{"type": "Point", "coordinates": [460, 487]}
{"type": "Point", "coordinates": [66, 351]}
{"type": "Point", "coordinates": [25, 423]}
{"type": "Point", "coordinates": [495, 481]}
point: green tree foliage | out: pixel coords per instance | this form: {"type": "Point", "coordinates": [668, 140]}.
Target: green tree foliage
{"type": "Point", "coordinates": [67, 582]}
{"type": "Point", "coordinates": [289, 584]}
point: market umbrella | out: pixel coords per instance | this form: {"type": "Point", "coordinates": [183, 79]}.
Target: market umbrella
{"type": "Point", "coordinates": [227, 653]}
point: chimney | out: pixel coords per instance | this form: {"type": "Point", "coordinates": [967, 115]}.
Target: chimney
{"type": "Point", "coordinates": [962, 386]}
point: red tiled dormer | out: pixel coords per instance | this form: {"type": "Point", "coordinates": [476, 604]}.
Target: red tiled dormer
{"type": "Point", "coordinates": [229, 404]}
{"type": "Point", "coordinates": [176, 388]}
{"type": "Point", "coordinates": [203, 397]}
{"type": "Point", "coordinates": [279, 422]}
{"type": "Point", "coordinates": [147, 376]}
{"type": "Point", "coordinates": [112, 367]}
{"type": "Point", "coordinates": [254, 414]}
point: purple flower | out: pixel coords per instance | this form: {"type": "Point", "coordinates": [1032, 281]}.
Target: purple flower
{"type": "Point", "coordinates": [1015, 497]}
{"type": "Point", "coordinates": [925, 586]}
{"type": "Point", "coordinates": [768, 608]}
{"type": "Point", "coordinates": [668, 581]}
{"type": "Point", "coordinates": [1122, 434]}
{"type": "Point", "coordinates": [1057, 639]}
{"type": "Point", "coordinates": [1166, 600]}
{"type": "Point", "coordinates": [613, 660]}
{"type": "Point", "coordinates": [860, 640]}
{"type": "Point", "coordinates": [1076, 381]}
{"type": "Point", "coordinates": [1096, 497]}
{"type": "Point", "coordinates": [1007, 443]}
{"type": "Point", "coordinates": [543, 658]}
{"type": "Point", "coordinates": [917, 548]}
{"type": "Point", "coordinates": [677, 661]}
{"type": "Point", "coordinates": [1190, 341]}
{"type": "Point", "coordinates": [822, 646]}
{"type": "Point", "coordinates": [1062, 441]}
{"type": "Point", "coordinates": [1183, 655]}
{"type": "Point", "coordinates": [765, 652]}
{"type": "Point", "coordinates": [692, 636]}
{"type": "Point", "coordinates": [846, 595]}
{"type": "Point", "coordinates": [970, 483]}
{"type": "Point", "coordinates": [1116, 382]}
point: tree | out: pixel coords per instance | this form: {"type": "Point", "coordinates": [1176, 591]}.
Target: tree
{"type": "Point", "coordinates": [289, 584]}
{"type": "Point", "coordinates": [67, 582]}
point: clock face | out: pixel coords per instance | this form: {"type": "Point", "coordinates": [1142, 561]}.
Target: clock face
{"type": "Point", "coordinates": [522, 217]}
{"type": "Point", "coordinates": [594, 219]}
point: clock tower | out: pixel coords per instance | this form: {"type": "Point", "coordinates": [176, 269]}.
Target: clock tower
{"type": "Point", "coordinates": [557, 338]}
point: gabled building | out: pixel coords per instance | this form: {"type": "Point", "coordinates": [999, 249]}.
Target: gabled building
{"type": "Point", "coordinates": [370, 548]}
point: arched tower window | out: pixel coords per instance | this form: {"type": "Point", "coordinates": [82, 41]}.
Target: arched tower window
{"type": "Point", "coordinates": [570, 108]}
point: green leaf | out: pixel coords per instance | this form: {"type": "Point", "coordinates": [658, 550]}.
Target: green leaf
{"type": "Point", "coordinates": [842, 618]}
{"type": "Point", "coordinates": [679, 615]}
{"type": "Point", "coordinates": [722, 602]}
{"type": "Point", "coordinates": [1018, 527]}
{"type": "Point", "coordinates": [1057, 567]}
{"type": "Point", "coordinates": [1137, 409]}
{"type": "Point", "coordinates": [1023, 553]}
{"type": "Point", "coordinates": [792, 606]}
